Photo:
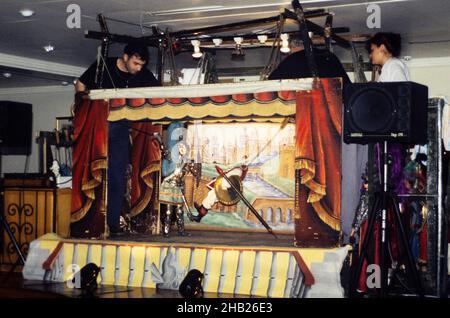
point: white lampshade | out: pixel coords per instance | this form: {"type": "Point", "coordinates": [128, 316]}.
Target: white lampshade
{"type": "Point", "coordinates": [197, 53]}
{"type": "Point", "coordinates": [285, 43]}
{"type": "Point", "coordinates": [238, 40]}
{"type": "Point", "coordinates": [217, 42]}
{"type": "Point", "coordinates": [262, 38]}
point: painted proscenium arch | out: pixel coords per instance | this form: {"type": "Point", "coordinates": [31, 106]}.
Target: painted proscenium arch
{"type": "Point", "coordinates": [277, 104]}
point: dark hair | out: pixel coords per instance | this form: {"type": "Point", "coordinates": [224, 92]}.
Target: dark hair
{"type": "Point", "coordinates": [137, 49]}
{"type": "Point", "coordinates": [392, 42]}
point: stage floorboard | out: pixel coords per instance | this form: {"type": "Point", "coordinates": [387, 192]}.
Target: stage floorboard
{"type": "Point", "coordinates": [213, 238]}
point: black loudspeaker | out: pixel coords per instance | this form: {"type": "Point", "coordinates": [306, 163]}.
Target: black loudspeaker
{"type": "Point", "coordinates": [191, 286]}
{"type": "Point", "coordinates": [87, 278]}
{"type": "Point", "coordinates": [394, 111]}
{"type": "Point", "coordinates": [15, 128]}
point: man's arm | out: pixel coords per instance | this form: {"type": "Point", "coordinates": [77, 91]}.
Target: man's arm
{"type": "Point", "coordinates": [79, 87]}
{"type": "Point", "coordinates": [87, 79]}
{"type": "Point", "coordinates": [80, 91]}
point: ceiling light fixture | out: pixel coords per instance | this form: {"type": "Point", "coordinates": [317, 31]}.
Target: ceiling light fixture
{"type": "Point", "coordinates": [285, 43]}
{"type": "Point", "coordinates": [238, 40]}
{"type": "Point", "coordinates": [197, 53]}
{"type": "Point", "coordinates": [238, 53]}
{"type": "Point", "coordinates": [262, 38]}
{"type": "Point", "coordinates": [49, 48]}
{"type": "Point", "coordinates": [217, 42]}
{"type": "Point", "coordinates": [7, 74]}
{"type": "Point", "coordinates": [26, 13]}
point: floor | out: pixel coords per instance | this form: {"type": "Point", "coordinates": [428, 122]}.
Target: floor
{"type": "Point", "coordinates": [12, 285]}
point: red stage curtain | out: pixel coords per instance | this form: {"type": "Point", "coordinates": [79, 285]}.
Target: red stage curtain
{"type": "Point", "coordinates": [89, 168]}
{"type": "Point", "coordinates": [145, 162]}
{"type": "Point", "coordinates": [318, 149]}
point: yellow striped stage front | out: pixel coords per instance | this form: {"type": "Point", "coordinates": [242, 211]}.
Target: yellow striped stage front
{"type": "Point", "coordinates": [229, 270]}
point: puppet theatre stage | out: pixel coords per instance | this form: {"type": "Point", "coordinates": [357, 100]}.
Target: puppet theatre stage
{"type": "Point", "coordinates": [301, 200]}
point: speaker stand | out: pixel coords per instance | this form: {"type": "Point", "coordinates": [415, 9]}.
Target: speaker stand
{"type": "Point", "coordinates": [383, 200]}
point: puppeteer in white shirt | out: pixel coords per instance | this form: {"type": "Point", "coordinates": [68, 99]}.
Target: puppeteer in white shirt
{"type": "Point", "coordinates": [394, 70]}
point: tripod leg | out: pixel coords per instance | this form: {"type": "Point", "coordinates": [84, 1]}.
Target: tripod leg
{"type": "Point", "coordinates": [367, 238]}
{"type": "Point", "coordinates": [383, 239]}
{"type": "Point", "coordinates": [12, 238]}
{"type": "Point", "coordinates": [412, 266]}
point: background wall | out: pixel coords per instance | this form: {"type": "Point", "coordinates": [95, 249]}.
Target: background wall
{"type": "Point", "coordinates": [48, 103]}
{"type": "Point", "coordinates": [434, 73]}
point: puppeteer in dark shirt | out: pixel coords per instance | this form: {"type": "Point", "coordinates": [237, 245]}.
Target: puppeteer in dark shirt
{"type": "Point", "coordinates": [120, 79]}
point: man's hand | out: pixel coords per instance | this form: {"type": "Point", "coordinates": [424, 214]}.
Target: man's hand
{"type": "Point", "coordinates": [80, 96]}
{"type": "Point", "coordinates": [80, 87]}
